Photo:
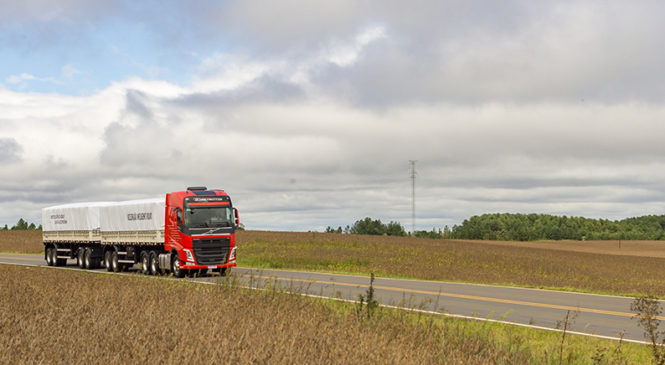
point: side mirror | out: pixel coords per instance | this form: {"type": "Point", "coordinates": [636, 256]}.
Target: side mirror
{"type": "Point", "coordinates": [237, 217]}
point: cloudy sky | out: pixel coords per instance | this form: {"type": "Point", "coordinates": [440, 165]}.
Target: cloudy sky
{"type": "Point", "coordinates": [307, 113]}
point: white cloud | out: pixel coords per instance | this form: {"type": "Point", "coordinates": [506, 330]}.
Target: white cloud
{"type": "Point", "coordinates": [22, 78]}
{"type": "Point", "coordinates": [311, 120]}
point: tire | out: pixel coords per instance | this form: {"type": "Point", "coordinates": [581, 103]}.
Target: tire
{"type": "Point", "coordinates": [175, 267]}
{"type": "Point", "coordinates": [87, 259]}
{"type": "Point", "coordinates": [203, 272]}
{"type": "Point", "coordinates": [115, 265]}
{"type": "Point", "coordinates": [79, 257]}
{"type": "Point", "coordinates": [154, 263]}
{"type": "Point", "coordinates": [49, 258]}
{"type": "Point", "coordinates": [224, 271]}
{"type": "Point", "coordinates": [145, 263]}
{"type": "Point", "coordinates": [56, 260]}
{"type": "Point", "coordinates": [107, 261]}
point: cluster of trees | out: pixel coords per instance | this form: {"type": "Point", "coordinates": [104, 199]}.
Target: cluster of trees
{"type": "Point", "coordinates": [530, 227]}
{"type": "Point", "coordinates": [372, 227]}
{"type": "Point", "coordinates": [22, 225]}
{"type": "Point", "coordinates": [524, 227]}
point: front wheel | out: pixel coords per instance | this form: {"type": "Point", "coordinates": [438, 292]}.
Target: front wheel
{"type": "Point", "coordinates": [175, 267]}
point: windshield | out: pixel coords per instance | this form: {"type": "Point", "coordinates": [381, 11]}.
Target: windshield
{"type": "Point", "coordinates": [208, 217]}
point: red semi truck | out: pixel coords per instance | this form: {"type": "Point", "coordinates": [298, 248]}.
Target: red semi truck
{"type": "Point", "coordinates": [190, 231]}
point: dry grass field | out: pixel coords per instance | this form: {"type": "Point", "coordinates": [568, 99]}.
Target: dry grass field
{"type": "Point", "coordinates": [598, 266]}
{"type": "Point", "coordinates": [21, 241]}
{"type": "Point", "coordinates": [587, 266]}
{"type": "Point", "coordinates": [72, 317]}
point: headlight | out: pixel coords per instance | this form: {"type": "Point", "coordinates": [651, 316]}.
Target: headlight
{"type": "Point", "coordinates": [190, 256]}
{"type": "Point", "coordinates": [232, 256]}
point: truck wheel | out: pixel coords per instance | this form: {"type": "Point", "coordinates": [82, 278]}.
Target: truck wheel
{"type": "Point", "coordinates": [80, 257]}
{"type": "Point", "coordinates": [107, 261]}
{"type": "Point", "coordinates": [154, 263]}
{"type": "Point", "coordinates": [175, 267]}
{"type": "Point", "coordinates": [203, 272]}
{"type": "Point", "coordinates": [56, 260]}
{"type": "Point", "coordinates": [87, 260]}
{"type": "Point", "coordinates": [49, 258]}
{"type": "Point", "coordinates": [115, 265]}
{"type": "Point", "coordinates": [145, 263]}
{"type": "Point", "coordinates": [224, 271]}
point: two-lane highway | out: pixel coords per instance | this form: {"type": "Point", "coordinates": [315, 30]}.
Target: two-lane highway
{"type": "Point", "coordinates": [599, 315]}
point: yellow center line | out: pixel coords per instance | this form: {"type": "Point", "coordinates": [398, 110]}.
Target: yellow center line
{"type": "Point", "coordinates": [465, 296]}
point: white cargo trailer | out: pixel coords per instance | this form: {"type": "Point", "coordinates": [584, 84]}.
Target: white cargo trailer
{"type": "Point", "coordinates": [134, 222]}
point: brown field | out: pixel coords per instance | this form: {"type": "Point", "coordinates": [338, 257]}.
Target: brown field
{"type": "Point", "coordinates": [637, 268]}
{"type": "Point", "coordinates": [21, 241]}
{"type": "Point", "coordinates": [58, 316]}
{"type": "Point", "coordinates": [599, 266]}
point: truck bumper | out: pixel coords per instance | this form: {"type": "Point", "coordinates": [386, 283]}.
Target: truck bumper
{"type": "Point", "coordinates": [188, 266]}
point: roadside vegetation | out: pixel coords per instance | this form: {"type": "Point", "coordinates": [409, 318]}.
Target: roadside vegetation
{"type": "Point", "coordinates": [565, 265]}
{"type": "Point", "coordinates": [63, 316]}
{"type": "Point", "coordinates": [630, 268]}
{"type": "Point", "coordinates": [21, 241]}
{"type": "Point", "coordinates": [531, 227]}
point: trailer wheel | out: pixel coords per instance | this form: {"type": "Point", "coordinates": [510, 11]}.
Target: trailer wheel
{"type": "Point", "coordinates": [87, 260]}
{"type": "Point", "coordinates": [49, 258]}
{"type": "Point", "coordinates": [115, 265]}
{"type": "Point", "coordinates": [175, 267]}
{"type": "Point", "coordinates": [56, 260]}
{"type": "Point", "coordinates": [154, 263]}
{"type": "Point", "coordinates": [145, 263]}
{"type": "Point", "coordinates": [79, 258]}
{"type": "Point", "coordinates": [107, 261]}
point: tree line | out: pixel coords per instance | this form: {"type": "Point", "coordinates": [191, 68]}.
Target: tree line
{"type": "Point", "coordinates": [22, 225]}
{"type": "Point", "coordinates": [531, 227]}
{"type": "Point", "coordinates": [375, 227]}
{"type": "Point", "coordinates": [524, 227]}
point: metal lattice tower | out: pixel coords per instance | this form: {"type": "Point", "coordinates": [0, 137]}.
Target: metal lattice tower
{"type": "Point", "coordinates": [413, 195]}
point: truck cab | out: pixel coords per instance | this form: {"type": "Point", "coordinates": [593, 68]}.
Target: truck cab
{"type": "Point", "coordinates": [199, 231]}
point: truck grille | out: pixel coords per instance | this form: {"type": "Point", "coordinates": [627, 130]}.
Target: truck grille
{"type": "Point", "coordinates": [212, 251]}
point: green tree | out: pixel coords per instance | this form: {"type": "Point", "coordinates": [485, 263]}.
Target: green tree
{"type": "Point", "coordinates": [368, 226]}
{"type": "Point", "coordinates": [395, 229]}
{"type": "Point", "coordinates": [20, 225]}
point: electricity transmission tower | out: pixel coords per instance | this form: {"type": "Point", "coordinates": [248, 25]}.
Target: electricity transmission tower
{"type": "Point", "coordinates": [413, 196]}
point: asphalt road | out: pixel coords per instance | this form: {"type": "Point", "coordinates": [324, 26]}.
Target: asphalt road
{"type": "Point", "coordinates": [598, 315]}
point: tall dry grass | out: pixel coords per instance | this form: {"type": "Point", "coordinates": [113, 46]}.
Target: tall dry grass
{"type": "Point", "coordinates": [21, 241]}
{"type": "Point", "coordinates": [58, 316]}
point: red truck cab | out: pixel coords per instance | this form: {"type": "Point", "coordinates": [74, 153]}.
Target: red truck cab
{"type": "Point", "coordinates": [199, 230]}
